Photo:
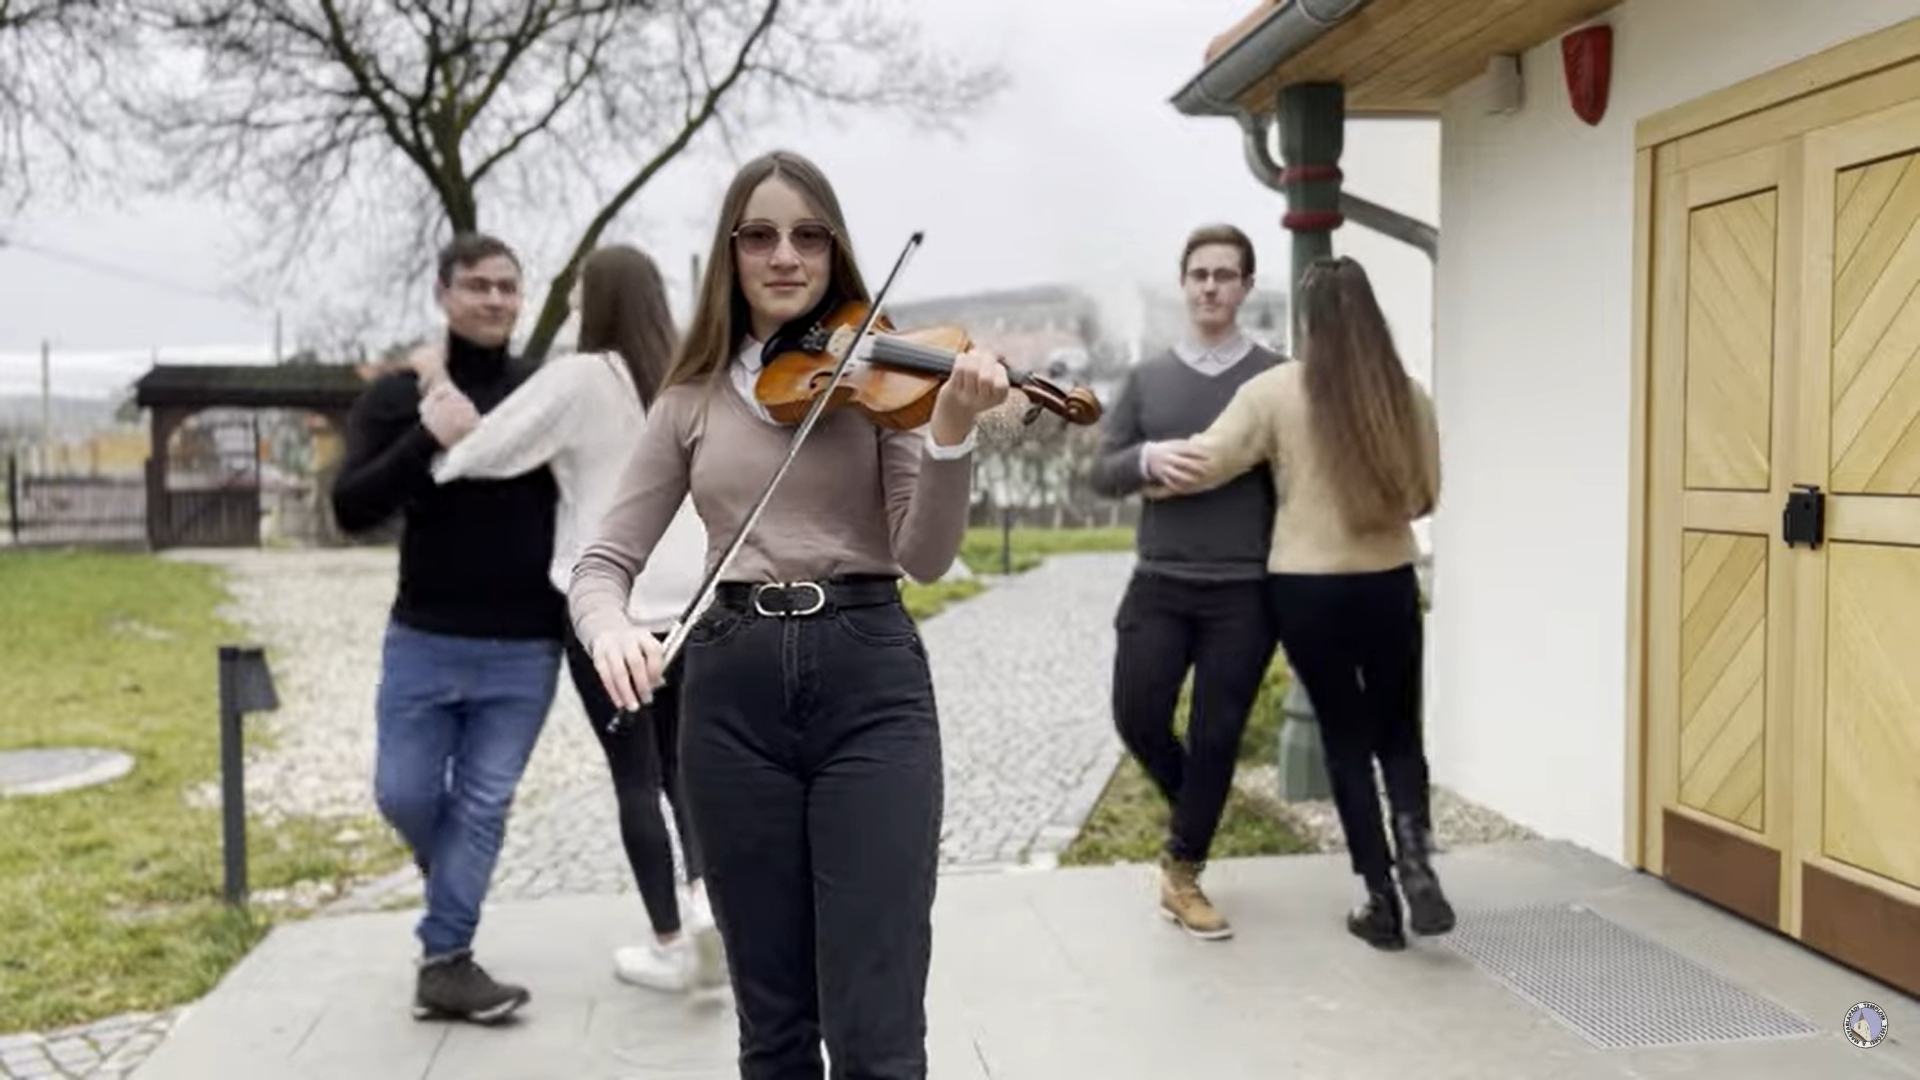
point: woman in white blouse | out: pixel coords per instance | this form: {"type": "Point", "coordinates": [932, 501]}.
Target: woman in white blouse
{"type": "Point", "coordinates": [581, 415]}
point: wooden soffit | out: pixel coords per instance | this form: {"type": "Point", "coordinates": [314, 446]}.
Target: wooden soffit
{"type": "Point", "coordinates": [1402, 57]}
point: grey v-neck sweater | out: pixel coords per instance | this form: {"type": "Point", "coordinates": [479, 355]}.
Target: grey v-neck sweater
{"type": "Point", "coordinates": [1218, 535]}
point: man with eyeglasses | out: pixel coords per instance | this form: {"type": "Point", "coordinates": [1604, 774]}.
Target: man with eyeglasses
{"type": "Point", "coordinates": [1196, 602]}
{"type": "Point", "coordinates": [472, 651]}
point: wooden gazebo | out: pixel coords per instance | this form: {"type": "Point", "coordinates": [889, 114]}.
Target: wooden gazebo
{"type": "Point", "coordinates": [228, 515]}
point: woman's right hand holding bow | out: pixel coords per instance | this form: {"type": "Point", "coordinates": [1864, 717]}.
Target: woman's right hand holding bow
{"type": "Point", "coordinates": [631, 663]}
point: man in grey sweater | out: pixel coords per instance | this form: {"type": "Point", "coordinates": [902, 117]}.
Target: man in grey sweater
{"type": "Point", "coordinates": [1196, 602]}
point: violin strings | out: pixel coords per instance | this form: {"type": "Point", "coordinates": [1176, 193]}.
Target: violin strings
{"type": "Point", "coordinates": [912, 354]}
{"type": "Point", "coordinates": [928, 358]}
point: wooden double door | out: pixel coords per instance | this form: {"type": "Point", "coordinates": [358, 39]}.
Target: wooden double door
{"type": "Point", "coordinates": [1782, 636]}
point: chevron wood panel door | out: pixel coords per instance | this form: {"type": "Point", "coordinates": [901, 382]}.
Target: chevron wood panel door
{"type": "Point", "coordinates": [1857, 709]}
{"type": "Point", "coordinates": [1782, 664]}
{"type": "Point", "coordinates": [1720, 624]}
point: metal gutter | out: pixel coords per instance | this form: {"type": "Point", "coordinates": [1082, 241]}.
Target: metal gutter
{"type": "Point", "coordinates": [1218, 88]}
{"type": "Point", "coordinates": [1295, 24]}
{"type": "Point", "coordinates": [1363, 212]}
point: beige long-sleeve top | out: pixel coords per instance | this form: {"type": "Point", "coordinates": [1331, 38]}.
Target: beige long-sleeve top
{"type": "Point", "coordinates": [1266, 423]}
{"type": "Point", "coordinates": [859, 499]}
{"type": "Point", "coordinates": [580, 416]}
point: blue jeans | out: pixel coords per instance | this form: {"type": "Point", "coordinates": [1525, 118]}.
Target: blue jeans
{"type": "Point", "coordinates": [458, 719]}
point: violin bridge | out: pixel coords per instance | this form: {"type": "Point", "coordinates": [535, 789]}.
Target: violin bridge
{"type": "Point", "coordinates": [842, 338]}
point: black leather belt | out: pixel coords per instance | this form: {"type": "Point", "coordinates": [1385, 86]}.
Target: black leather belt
{"type": "Point", "coordinates": [795, 599]}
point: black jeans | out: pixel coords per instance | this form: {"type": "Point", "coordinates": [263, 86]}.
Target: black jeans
{"type": "Point", "coordinates": [1355, 641]}
{"type": "Point", "coordinates": [813, 759]}
{"type": "Point", "coordinates": [644, 760]}
{"type": "Point", "coordinates": [1221, 630]}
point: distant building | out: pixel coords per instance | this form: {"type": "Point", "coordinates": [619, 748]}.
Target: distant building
{"type": "Point", "coordinates": [1064, 333]}
{"type": "Point", "coordinates": [1263, 318]}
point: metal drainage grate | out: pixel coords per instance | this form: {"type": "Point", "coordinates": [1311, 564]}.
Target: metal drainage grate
{"type": "Point", "coordinates": [1613, 986]}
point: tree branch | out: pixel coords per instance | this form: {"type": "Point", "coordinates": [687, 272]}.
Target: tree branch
{"type": "Point", "coordinates": [383, 125]}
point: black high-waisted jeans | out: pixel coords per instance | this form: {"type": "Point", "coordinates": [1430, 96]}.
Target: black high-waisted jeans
{"type": "Point", "coordinates": [812, 757]}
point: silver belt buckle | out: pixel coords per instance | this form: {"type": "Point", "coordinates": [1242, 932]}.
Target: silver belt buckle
{"type": "Point", "coordinates": [819, 599]}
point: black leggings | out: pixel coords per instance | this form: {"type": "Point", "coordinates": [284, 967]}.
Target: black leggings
{"type": "Point", "coordinates": [644, 758]}
{"type": "Point", "coordinates": [1355, 641]}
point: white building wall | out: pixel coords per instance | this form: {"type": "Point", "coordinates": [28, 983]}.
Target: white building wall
{"type": "Point", "coordinates": [1527, 640]}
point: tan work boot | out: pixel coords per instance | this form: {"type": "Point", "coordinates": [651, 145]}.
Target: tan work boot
{"type": "Point", "coordinates": [1182, 902]}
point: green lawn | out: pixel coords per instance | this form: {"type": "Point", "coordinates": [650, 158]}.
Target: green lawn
{"type": "Point", "coordinates": [982, 547]}
{"type": "Point", "coordinates": [1129, 823]}
{"type": "Point", "coordinates": [109, 896]}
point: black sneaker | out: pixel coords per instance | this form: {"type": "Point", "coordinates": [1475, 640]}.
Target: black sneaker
{"type": "Point", "coordinates": [456, 988]}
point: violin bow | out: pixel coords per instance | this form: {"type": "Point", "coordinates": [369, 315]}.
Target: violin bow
{"type": "Point", "coordinates": [677, 637]}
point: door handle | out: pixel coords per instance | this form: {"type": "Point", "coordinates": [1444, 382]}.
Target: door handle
{"type": "Point", "coordinates": [1804, 521]}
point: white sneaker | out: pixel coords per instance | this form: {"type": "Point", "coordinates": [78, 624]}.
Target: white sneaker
{"type": "Point", "coordinates": [669, 967]}
{"type": "Point", "coordinates": [696, 920]}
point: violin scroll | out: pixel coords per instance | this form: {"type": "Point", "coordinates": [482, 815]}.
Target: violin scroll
{"type": "Point", "coordinates": [1075, 406]}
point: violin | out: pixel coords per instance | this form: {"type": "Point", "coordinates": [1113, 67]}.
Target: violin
{"type": "Point", "coordinates": [900, 378]}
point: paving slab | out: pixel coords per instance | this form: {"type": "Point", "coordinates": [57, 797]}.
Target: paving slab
{"type": "Point", "coordinates": [1040, 975]}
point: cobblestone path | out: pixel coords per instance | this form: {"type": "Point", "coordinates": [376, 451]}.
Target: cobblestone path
{"type": "Point", "coordinates": [1021, 676]}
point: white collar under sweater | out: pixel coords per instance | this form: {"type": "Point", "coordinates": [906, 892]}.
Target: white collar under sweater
{"type": "Point", "coordinates": [1216, 359]}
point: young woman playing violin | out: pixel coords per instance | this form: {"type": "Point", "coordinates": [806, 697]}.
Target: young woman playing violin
{"type": "Point", "coordinates": [811, 744]}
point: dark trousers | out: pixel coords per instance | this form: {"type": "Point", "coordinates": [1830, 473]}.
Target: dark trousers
{"type": "Point", "coordinates": [643, 757]}
{"type": "Point", "coordinates": [813, 760]}
{"type": "Point", "coordinates": [1222, 632]}
{"type": "Point", "coordinates": [1354, 641]}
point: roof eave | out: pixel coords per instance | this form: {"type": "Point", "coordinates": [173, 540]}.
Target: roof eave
{"type": "Point", "coordinates": [1217, 88]}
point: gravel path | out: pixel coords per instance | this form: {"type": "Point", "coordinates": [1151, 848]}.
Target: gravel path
{"type": "Point", "coordinates": [1456, 821]}
{"type": "Point", "coordinates": [321, 614]}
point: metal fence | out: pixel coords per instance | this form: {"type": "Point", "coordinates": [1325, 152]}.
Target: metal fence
{"type": "Point", "coordinates": [54, 509]}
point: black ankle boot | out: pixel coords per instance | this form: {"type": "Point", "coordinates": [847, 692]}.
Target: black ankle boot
{"type": "Point", "coordinates": [1427, 907]}
{"type": "Point", "coordinates": [1377, 922]}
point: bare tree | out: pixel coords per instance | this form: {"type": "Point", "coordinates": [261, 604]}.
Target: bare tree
{"type": "Point", "coordinates": [325, 117]}
{"type": "Point", "coordinates": [56, 64]}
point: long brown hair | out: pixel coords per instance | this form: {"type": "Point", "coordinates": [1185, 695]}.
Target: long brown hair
{"type": "Point", "coordinates": [720, 317]}
{"type": "Point", "coordinates": [1367, 428]}
{"type": "Point", "coordinates": [623, 309]}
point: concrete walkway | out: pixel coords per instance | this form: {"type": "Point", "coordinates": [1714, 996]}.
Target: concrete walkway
{"type": "Point", "coordinates": [1068, 974]}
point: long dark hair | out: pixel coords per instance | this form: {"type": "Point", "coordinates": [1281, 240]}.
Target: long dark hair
{"type": "Point", "coordinates": [720, 317]}
{"type": "Point", "coordinates": [1366, 426]}
{"type": "Point", "coordinates": [623, 309]}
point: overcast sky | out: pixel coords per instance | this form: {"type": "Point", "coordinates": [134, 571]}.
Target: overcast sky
{"type": "Point", "coordinates": [1082, 173]}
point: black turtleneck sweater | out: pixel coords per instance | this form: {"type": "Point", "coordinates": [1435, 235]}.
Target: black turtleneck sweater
{"type": "Point", "coordinates": [473, 553]}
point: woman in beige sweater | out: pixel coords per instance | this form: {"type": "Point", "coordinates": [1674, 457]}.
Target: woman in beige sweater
{"type": "Point", "coordinates": [1354, 451]}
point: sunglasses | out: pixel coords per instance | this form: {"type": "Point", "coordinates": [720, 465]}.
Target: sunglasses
{"type": "Point", "coordinates": [760, 239]}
